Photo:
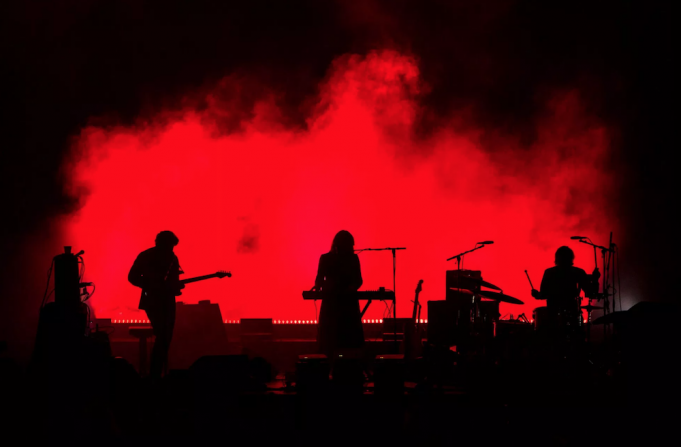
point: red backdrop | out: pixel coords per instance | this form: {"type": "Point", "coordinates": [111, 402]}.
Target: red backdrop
{"type": "Point", "coordinates": [266, 201]}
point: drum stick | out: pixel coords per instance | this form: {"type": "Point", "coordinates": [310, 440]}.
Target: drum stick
{"type": "Point", "coordinates": [528, 278]}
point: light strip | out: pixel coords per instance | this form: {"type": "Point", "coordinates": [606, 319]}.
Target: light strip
{"type": "Point", "coordinates": [238, 321]}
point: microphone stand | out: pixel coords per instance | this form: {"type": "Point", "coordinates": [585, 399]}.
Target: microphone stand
{"type": "Point", "coordinates": [460, 255]}
{"type": "Point", "coordinates": [606, 283]}
{"type": "Point", "coordinates": [392, 249]}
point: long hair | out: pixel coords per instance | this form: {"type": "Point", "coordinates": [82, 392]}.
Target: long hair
{"type": "Point", "coordinates": [343, 242]}
{"type": "Point", "coordinates": [564, 256]}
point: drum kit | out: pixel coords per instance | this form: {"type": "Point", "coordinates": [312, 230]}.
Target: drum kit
{"type": "Point", "coordinates": [468, 285]}
{"type": "Point", "coordinates": [475, 304]}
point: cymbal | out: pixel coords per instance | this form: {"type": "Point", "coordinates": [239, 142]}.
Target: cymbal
{"type": "Point", "coordinates": [466, 291]}
{"type": "Point", "coordinates": [479, 281]}
{"type": "Point", "coordinates": [489, 285]}
{"type": "Point", "coordinates": [500, 297]}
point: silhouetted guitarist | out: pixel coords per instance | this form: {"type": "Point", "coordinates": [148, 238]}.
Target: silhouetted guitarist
{"type": "Point", "coordinates": [157, 272]}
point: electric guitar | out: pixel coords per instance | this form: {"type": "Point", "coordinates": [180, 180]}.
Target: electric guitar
{"type": "Point", "coordinates": [175, 287]}
{"type": "Point", "coordinates": [219, 274]}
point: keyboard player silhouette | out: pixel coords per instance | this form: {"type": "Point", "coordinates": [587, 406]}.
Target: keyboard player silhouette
{"type": "Point", "coordinates": [339, 276]}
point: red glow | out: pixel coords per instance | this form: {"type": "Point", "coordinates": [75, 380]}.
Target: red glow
{"type": "Point", "coordinates": [266, 203]}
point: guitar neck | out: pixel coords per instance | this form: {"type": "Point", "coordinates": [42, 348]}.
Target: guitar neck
{"type": "Point", "coordinates": [417, 309]}
{"type": "Point", "coordinates": [198, 278]}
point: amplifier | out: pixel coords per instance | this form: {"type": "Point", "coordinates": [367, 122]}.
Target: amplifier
{"type": "Point", "coordinates": [461, 279]}
{"type": "Point", "coordinates": [199, 331]}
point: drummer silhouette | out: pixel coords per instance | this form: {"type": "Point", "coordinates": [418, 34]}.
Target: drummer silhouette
{"type": "Point", "coordinates": [561, 285]}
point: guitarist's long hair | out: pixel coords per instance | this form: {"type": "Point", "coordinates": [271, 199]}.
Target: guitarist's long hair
{"type": "Point", "coordinates": [343, 243]}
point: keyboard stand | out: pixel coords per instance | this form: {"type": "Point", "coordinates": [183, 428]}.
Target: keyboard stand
{"type": "Point", "coordinates": [366, 307]}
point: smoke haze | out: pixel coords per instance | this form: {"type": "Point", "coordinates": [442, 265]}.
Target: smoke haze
{"type": "Point", "coordinates": [536, 118]}
{"type": "Point", "coordinates": [358, 165]}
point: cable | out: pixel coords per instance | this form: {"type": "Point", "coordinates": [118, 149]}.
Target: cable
{"type": "Point", "coordinates": [387, 309]}
{"type": "Point", "coordinates": [89, 294]}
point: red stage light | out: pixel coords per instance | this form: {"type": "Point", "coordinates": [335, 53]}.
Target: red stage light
{"type": "Point", "coordinates": [266, 202]}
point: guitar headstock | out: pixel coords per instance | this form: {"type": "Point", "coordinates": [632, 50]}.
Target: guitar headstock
{"type": "Point", "coordinates": [418, 286]}
{"type": "Point", "coordinates": [221, 274]}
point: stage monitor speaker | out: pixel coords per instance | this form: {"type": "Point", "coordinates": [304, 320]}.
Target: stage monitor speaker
{"type": "Point", "coordinates": [389, 374]}
{"type": "Point", "coordinates": [348, 374]}
{"type": "Point", "coordinates": [199, 331]}
{"type": "Point", "coordinates": [221, 373]}
{"type": "Point", "coordinates": [61, 330]}
{"type": "Point", "coordinates": [312, 372]}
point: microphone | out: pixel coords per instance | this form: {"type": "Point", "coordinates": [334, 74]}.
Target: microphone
{"type": "Point", "coordinates": [578, 237]}
{"type": "Point", "coordinates": [486, 242]}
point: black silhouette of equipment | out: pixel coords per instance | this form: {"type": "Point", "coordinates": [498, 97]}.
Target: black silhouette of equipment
{"type": "Point", "coordinates": [498, 296]}
{"type": "Point", "coordinates": [199, 331]}
{"type": "Point", "coordinates": [368, 295]}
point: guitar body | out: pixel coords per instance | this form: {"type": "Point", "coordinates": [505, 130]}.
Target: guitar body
{"type": "Point", "coordinates": [178, 289]}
